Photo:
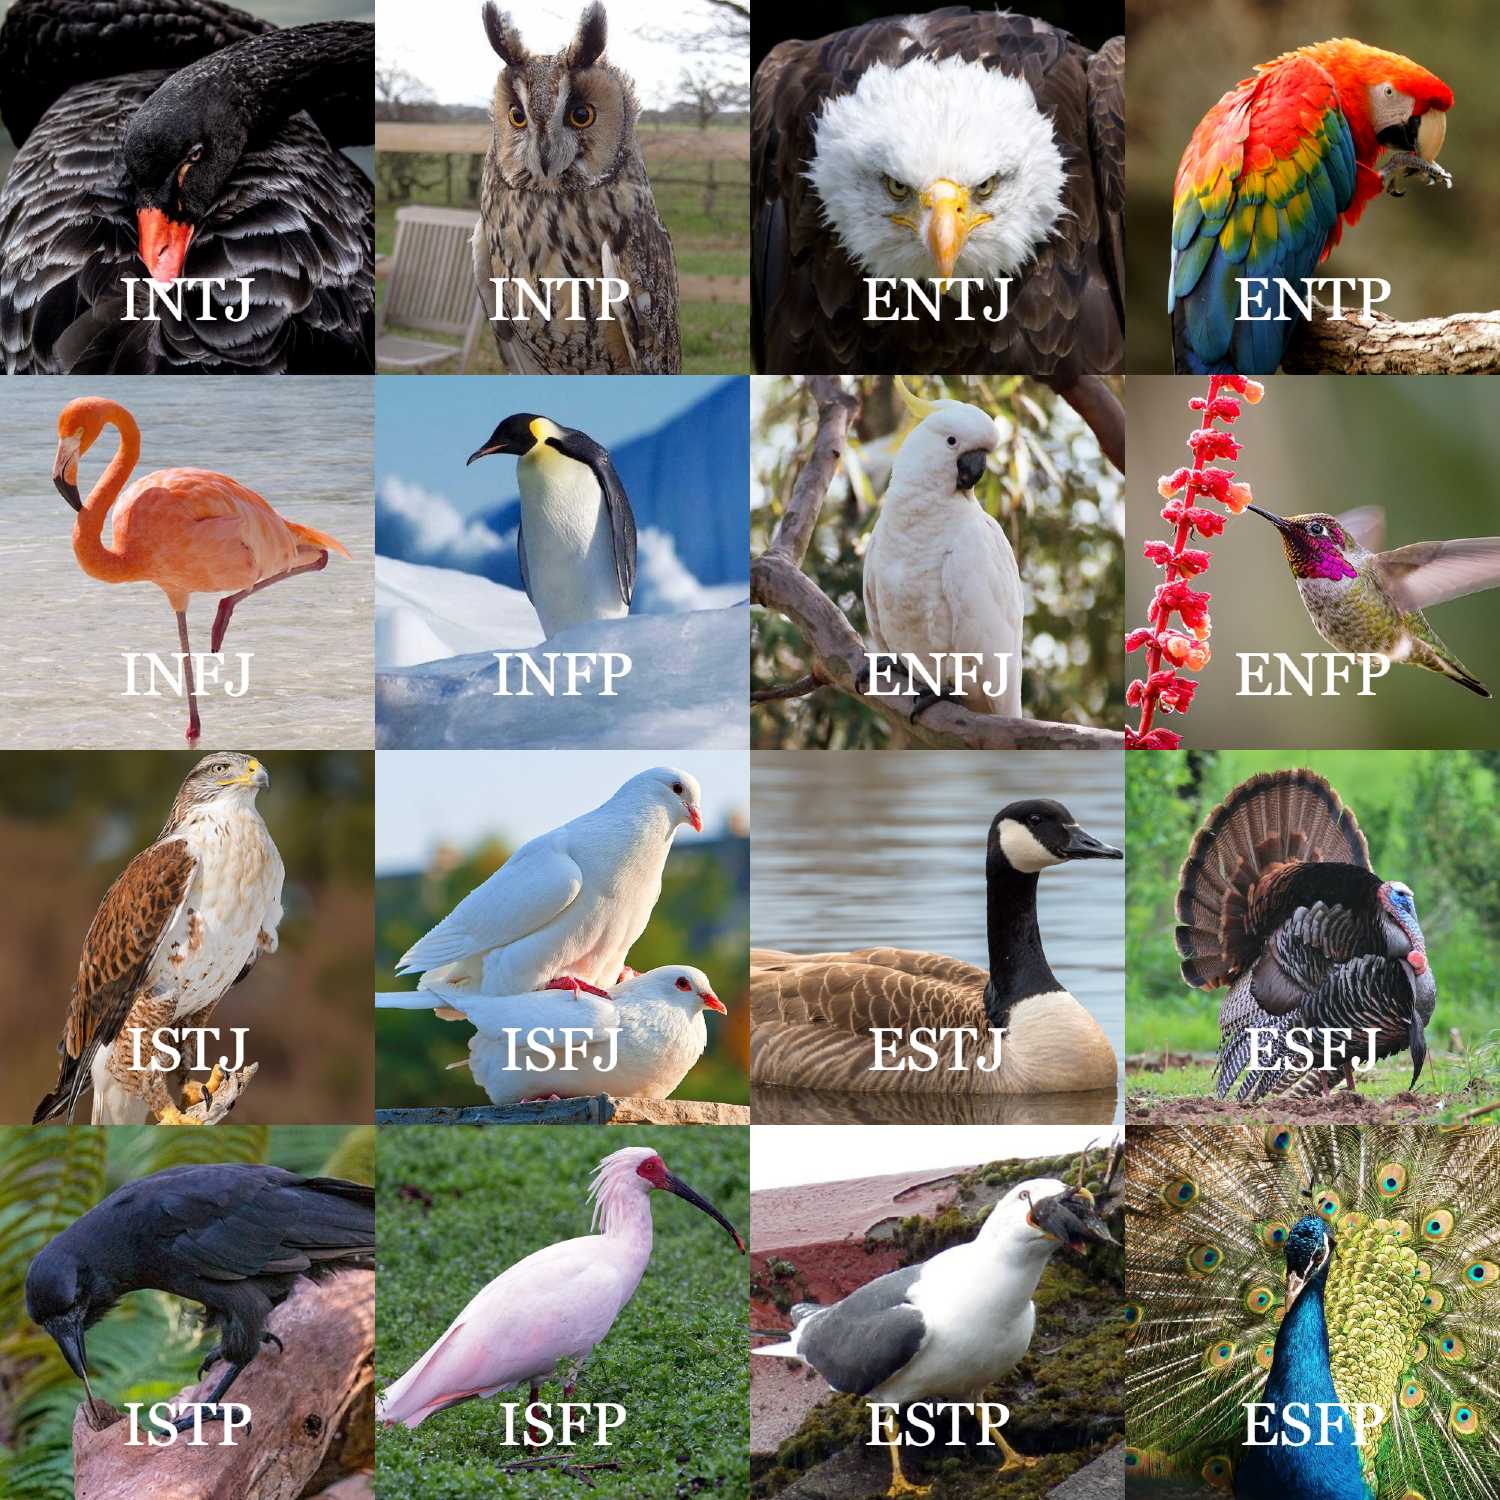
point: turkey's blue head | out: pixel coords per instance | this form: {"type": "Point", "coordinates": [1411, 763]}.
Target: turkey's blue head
{"type": "Point", "coordinates": [1309, 1248]}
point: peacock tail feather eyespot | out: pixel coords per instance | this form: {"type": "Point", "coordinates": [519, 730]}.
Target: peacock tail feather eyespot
{"type": "Point", "coordinates": [1279, 1140]}
{"type": "Point", "coordinates": [1452, 1348]}
{"type": "Point", "coordinates": [1401, 1231]}
{"type": "Point", "coordinates": [1218, 1471]}
{"type": "Point", "coordinates": [1412, 1395]}
{"type": "Point", "coordinates": [1434, 1301]}
{"type": "Point", "coordinates": [1181, 1192]}
{"type": "Point", "coordinates": [1481, 1274]}
{"type": "Point", "coordinates": [1419, 1352]}
{"type": "Point", "coordinates": [1463, 1420]}
{"type": "Point", "coordinates": [1265, 1354]}
{"type": "Point", "coordinates": [1437, 1225]}
{"type": "Point", "coordinates": [1327, 1202]}
{"type": "Point", "coordinates": [1203, 1260]}
{"type": "Point", "coordinates": [1131, 1315]}
{"type": "Point", "coordinates": [1274, 1234]}
{"type": "Point", "coordinates": [1260, 1299]}
{"type": "Point", "coordinates": [1423, 1271]}
{"type": "Point", "coordinates": [1132, 1458]}
{"type": "Point", "coordinates": [1390, 1179]}
{"type": "Point", "coordinates": [1218, 1356]}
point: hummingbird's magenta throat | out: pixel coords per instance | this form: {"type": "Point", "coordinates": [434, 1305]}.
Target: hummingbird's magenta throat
{"type": "Point", "coordinates": [1328, 562]}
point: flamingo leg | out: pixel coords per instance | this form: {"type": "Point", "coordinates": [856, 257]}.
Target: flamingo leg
{"type": "Point", "coordinates": [227, 604]}
{"type": "Point", "coordinates": [195, 728]}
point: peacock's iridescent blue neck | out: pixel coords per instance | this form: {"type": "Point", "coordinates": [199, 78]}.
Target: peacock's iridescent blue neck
{"type": "Point", "coordinates": [1300, 1373]}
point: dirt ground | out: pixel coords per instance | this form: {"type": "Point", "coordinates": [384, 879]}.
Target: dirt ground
{"type": "Point", "coordinates": [1340, 1108]}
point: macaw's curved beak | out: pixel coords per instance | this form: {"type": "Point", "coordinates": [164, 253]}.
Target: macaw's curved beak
{"type": "Point", "coordinates": [683, 1191]}
{"type": "Point", "coordinates": [164, 243]}
{"type": "Point", "coordinates": [65, 472]}
{"type": "Point", "coordinates": [1072, 1218]}
{"type": "Point", "coordinates": [1431, 132]}
{"type": "Point", "coordinates": [949, 222]}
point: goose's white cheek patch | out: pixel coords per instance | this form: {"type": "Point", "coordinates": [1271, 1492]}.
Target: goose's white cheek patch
{"type": "Point", "coordinates": [1023, 849]}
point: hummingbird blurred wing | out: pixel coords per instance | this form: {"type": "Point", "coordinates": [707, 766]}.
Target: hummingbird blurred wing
{"type": "Point", "coordinates": [1428, 573]}
{"type": "Point", "coordinates": [1366, 524]}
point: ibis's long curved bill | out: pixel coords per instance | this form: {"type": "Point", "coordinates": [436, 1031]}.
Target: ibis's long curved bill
{"type": "Point", "coordinates": [678, 1186]}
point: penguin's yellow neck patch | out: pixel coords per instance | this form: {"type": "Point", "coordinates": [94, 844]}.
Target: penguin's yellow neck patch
{"type": "Point", "coordinates": [541, 452]}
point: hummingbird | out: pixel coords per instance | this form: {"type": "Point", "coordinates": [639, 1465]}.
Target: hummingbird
{"type": "Point", "coordinates": [1362, 599]}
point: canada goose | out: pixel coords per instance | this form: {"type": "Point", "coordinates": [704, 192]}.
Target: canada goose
{"type": "Point", "coordinates": [811, 1015]}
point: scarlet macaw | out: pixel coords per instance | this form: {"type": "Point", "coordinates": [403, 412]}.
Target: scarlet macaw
{"type": "Point", "coordinates": [1272, 174]}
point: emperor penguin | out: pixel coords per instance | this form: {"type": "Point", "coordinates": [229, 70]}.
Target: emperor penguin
{"type": "Point", "coordinates": [577, 534]}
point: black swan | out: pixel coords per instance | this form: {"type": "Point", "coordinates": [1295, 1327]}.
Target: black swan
{"type": "Point", "coordinates": [184, 138]}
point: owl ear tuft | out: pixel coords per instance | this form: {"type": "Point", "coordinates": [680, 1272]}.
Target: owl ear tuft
{"type": "Point", "coordinates": [504, 37]}
{"type": "Point", "coordinates": [589, 43]}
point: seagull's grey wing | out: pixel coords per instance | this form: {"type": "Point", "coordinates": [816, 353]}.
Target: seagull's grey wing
{"type": "Point", "coordinates": [859, 1343]}
{"type": "Point", "coordinates": [521, 558]}
{"type": "Point", "coordinates": [1427, 573]}
{"type": "Point", "coordinates": [1366, 524]}
{"type": "Point", "coordinates": [582, 448]}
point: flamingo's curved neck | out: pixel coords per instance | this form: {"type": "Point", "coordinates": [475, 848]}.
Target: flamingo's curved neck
{"type": "Point", "coordinates": [107, 563]}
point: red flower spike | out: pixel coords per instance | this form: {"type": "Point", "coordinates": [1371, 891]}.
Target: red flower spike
{"type": "Point", "coordinates": [1170, 650]}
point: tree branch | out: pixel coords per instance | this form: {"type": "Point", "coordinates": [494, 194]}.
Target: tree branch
{"type": "Point", "coordinates": [778, 582]}
{"type": "Point", "coordinates": [1357, 344]}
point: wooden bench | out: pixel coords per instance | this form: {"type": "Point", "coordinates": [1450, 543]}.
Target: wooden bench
{"type": "Point", "coordinates": [430, 289]}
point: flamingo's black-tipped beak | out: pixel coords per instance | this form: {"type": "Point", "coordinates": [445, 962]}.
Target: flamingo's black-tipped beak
{"type": "Point", "coordinates": [65, 473]}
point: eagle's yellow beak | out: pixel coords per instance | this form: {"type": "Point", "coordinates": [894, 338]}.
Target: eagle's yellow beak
{"type": "Point", "coordinates": [949, 222]}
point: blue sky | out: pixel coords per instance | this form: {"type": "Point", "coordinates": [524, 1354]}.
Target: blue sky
{"type": "Point", "coordinates": [428, 427]}
{"type": "Point", "coordinates": [427, 797]}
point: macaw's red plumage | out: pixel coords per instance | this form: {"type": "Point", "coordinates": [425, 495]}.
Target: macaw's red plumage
{"type": "Point", "coordinates": [1270, 177]}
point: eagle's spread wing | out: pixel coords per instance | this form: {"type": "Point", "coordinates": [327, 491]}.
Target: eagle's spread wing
{"type": "Point", "coordinates": [123, 939]}
{"type": "Point", "coordinates": [808, 297]}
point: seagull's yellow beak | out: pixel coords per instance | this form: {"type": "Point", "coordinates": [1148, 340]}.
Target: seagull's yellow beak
{"type": "Point", "coordinates": [949, 222]}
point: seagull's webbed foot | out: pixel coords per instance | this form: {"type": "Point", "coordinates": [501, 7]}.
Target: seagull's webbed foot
{"type": "Point", "coordinates": [567, 982]}
{"type": "Point", "coordinates": [1402, 166]}
{"type": "Point", "coordinates": [926, 698]}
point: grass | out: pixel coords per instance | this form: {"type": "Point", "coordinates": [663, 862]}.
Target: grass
{"type": "Point", "coordinates": [675, 1357]}
{"type": "Point", "coordinates": [715, 335]}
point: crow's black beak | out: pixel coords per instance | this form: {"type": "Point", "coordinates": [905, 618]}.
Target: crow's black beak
{"type": "Point", "coordinates": [1083, 845]}
{"type": "Point", "coordinates": [68, 1336]}
{"type": "Point", "coordinates": [683, 1191]}
{"type": "Point", "coordinates": [1270, 516]}
{"type": "Point", "coordinates": [1072, 1218]}
{"type": "Point", "coordinates": [970, 467]}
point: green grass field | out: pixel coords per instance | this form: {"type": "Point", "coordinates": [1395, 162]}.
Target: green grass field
{"type": "Point", "coordinates": [706, 241]}
{"type": "Point", "coordinates": [675, 1357]}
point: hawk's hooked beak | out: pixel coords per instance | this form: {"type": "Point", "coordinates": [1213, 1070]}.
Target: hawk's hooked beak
{"type": "Point", "coordinates": [164, 243]}
{"type": "Point", "coordinates": [65, 469]}
{"type": "Point", "coordinates": [255, 775]}
{"type": "Point", "coordinates": [949, 222]}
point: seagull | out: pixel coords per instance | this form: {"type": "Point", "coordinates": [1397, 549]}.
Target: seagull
{"type": "Point", "coordinates": [939, 574]}
{"type": "Point", "coordinates": [576, 539]}
{"type": "Point", "coordinates": [563, 910]}
{"type": "Point", "coordinates": [948, 1328]}
{"type": "Point", "coordinates": [553, 1306]}
{"type": "Point", "coordinates": [658, 1017]}
{"type": "Point", "coordinates": [185, 921]}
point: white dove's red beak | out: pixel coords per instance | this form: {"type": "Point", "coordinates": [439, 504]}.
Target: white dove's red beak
{"type": "Point", "coordinates": [712, 1002]}
{"type": "Point", "coordinates": [695, 818]}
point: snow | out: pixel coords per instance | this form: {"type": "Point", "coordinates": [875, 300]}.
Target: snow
{"type": "Point", "coordinates": [688, 685]}
{"type": "Point", "coordinates": [663, 584]}
{"type": "Point", "coordinates": [426, 614]}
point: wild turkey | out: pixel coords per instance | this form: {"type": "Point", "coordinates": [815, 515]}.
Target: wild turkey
{"type": "Point", "coordinates": [1277, 900]}
{"type": "Point", "coordinates": [1346, 1268]}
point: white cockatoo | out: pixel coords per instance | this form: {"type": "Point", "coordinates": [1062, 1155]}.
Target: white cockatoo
{"type": "Point", "coordinates": [940, 576]}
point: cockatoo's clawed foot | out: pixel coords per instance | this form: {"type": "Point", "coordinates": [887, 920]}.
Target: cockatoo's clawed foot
{"type": "Point", "coordinates": [1404, 165]}
{"type": "Point", "coordinates": [567, 982]}
{"type": "Point", "coordinates": [926, 699]}
{"type": "Point", "coordinates": [270, 1338]}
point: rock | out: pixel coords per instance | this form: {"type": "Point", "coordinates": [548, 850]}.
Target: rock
{"type": "Point", "coordinates": [1104, 1479]}
{"type": "Point", "coordinates": [678, 1112]}
{"type": "Point", "coordinates": [303, 1400]}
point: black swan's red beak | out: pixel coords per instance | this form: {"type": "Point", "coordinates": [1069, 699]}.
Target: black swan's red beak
{"type": "Point", "coordinates": [164, 243]}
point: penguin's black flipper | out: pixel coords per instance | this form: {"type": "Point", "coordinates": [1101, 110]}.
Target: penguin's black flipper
{"type": "Point", "coordinates": [580, 447]}
{"type": "Point", "coordinates": [521, 557]}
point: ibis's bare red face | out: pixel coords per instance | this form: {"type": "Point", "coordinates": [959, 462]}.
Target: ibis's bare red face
{"type": "Point", "coordinates": [654, 1170]}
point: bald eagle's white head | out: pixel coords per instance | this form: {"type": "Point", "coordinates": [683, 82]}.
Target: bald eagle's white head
{"type": "Point", "coordinates": [938, 169]}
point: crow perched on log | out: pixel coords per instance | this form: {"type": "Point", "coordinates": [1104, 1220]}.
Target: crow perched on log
{"type": "Point", "coordinates": [233, 1237]}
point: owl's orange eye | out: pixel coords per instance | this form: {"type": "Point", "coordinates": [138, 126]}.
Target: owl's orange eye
{"type": "Point", "coordinates": [581, 116]}
{"type": "Point", "coordinates": [517, 116]}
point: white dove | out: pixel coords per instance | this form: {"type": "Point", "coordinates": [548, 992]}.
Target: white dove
{"type": "Point", "coordinates": [564, 909]}
{"type": "Point", "coordinates": [658, 1017]}
{"type": "Point", "coordinates": [939, 574]}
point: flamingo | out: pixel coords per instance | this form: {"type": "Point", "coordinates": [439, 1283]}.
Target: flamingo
{"type": "Point", "coordinates": [554, 1305]}
{"type": "Point", "coordinates": [188, 531]}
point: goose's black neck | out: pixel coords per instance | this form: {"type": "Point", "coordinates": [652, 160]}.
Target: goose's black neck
{"type": "Point", "coordinates": [1018, 966]}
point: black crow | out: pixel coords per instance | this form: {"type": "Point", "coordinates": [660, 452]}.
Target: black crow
{"type": "Point", "coordinates": [233, 1237]}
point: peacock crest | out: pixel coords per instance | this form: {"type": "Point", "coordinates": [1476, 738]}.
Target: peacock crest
{"type": "Point", "coordinates": [1262, 1264]}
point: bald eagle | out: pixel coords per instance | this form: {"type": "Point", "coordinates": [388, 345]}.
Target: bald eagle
{"type": "Point", "coordinates": [959, 143]}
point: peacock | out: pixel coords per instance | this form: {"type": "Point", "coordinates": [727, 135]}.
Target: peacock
{"type": "Point", "coordinates": [1349, 1268]}
{"type": "Point", "coordinates": [1277, 900]}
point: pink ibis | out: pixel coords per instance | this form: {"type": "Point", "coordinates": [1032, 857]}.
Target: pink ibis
{"type": "Point", "coordinates": [554, 1305]}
